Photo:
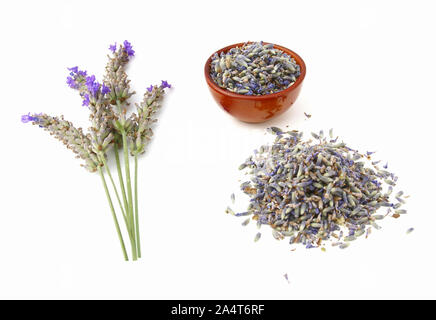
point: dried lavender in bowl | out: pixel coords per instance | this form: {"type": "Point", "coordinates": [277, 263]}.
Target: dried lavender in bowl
{"type": "Point", "coordinates": [317, 190]}
{"type": "Point", "coordinates": [254, 69]}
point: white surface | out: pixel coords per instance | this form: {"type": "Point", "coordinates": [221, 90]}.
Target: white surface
{"type": "Point", "coordinates": [370, 75]}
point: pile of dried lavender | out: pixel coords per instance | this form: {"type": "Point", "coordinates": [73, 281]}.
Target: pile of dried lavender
{"type": "Point", "coordinates": [111, 128]}
{"type": "Point", "coordinates": [313, 191]}
{"type": "Point", "coordinates": [254, 69]}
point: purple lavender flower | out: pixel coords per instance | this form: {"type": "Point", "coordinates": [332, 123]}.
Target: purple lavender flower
{"type": "Point", "coordinates": [74, 70]}
{"type": "Point", "coordinates": [85, 102]}
{"type": "Point", "coordinates": [28, 118]}
{"type": "Point", "coordinates": [72, 83]}
{"type": "Point", "coordinates": [113, 47]}
{"type": "Point", "coordinates": [76, 76]}
{"type": "Point", "coordinates": [90, 80]}
{"type": "Point", "coordinates": [105, 90]}
{"type": "Point", "coordinates": [150, 89]}
{"type": "Point", "coordinates": [165, 84]}
{"type": "Point", "coordinates": [93, 89]}
{"type": "Point", "coordinates": [128, 48]}
{"type": "Point", "coordinates": [92, 85]}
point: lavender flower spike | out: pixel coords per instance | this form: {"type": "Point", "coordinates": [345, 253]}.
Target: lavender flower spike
{"type": "Point", "coordinates": [142, 122]}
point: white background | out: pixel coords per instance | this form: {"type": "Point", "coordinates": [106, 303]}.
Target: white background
{"type": "Point", "coordinates": [371, 74]}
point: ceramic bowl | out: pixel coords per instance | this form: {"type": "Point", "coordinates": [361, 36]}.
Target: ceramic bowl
{"type": "Point", "coordinates": [256, 109]}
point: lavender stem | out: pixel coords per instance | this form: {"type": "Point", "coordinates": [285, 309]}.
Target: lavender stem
{"type": "Point", "coordinates": [121, 181]}
{"type": "Point", "coordinates": [129, 194]}
{"type": "Point", "coordinates": [123, 192]}
{"type": "Point", "coordinates": [117, 226]}
{"type": "Point", "coordinates": [138, 240]}
{"type": "Point", "coordinates": [114, 187]}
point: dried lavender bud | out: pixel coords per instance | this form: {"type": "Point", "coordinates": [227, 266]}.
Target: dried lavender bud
{"type": "Point", "coordinates": [315, 190]}
{"type": "Point", "coordinates": [254, 69]}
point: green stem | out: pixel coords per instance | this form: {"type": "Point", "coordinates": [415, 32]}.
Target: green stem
{"type": "Point", "coordinates": [120, 178]}
{"type": "Point", "coordinates": [114, 186]}
{"type": "Point", "coordinates": [129, 192]}
{"type": "Point", "coordinates": [123, 193]}
{"type": "Point", "coordinates": [138, 240]}
{"type": "Point", "coordinates": [117, 226]}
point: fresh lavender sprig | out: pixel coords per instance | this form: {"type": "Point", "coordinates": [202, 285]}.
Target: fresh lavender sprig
{"type": "Point", "coordinates": [141, 132]}
{"type": "Point", "coordinates": [107, 103]}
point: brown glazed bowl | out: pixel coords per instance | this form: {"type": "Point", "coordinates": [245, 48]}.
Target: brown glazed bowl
{"type": "Point", "coordinates": [256, 108]}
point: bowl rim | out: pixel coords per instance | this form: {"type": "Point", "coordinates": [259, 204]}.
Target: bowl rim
{"type": "Point", "coordinates": [295, 85]}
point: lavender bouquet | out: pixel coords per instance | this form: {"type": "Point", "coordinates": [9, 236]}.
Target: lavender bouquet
{"type": "Point", "coordinates": [111, 129]}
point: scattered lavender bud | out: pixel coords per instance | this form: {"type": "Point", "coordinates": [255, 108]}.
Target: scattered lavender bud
{"type": "Point", "coordinates": [286, 277]}
{"type": "Point", "coordinates": [344, 245]}
{"type": "Point", "coordinates": [246, 222]}
{"type": "Point", "coordinates": [229, 210]}
{"type": "Point", "coordinates": [312, 191]}
{"type": "Point", "coordinates": [232, 197]}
